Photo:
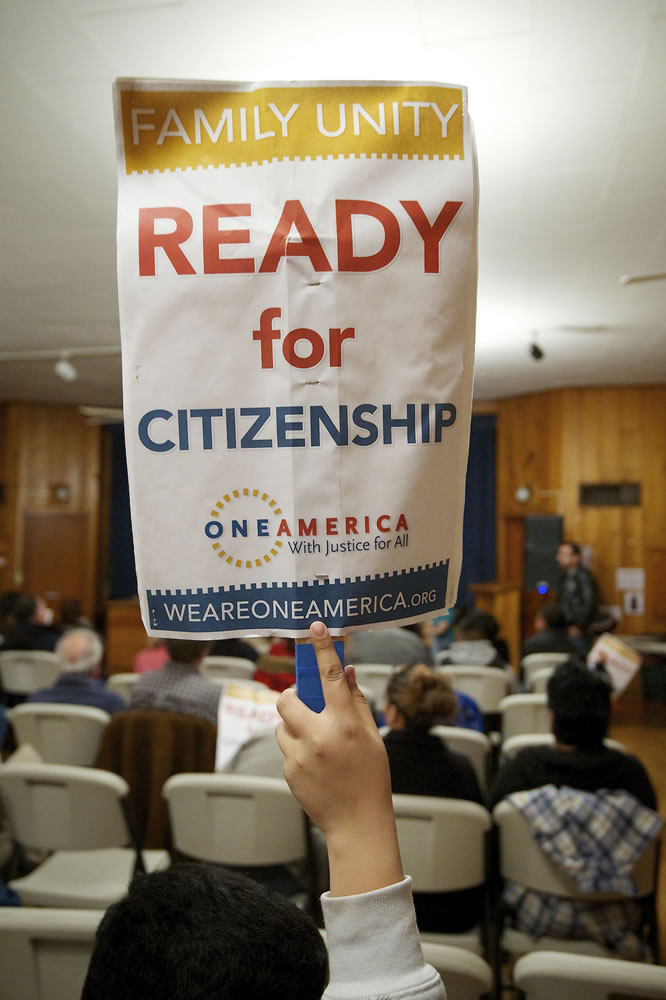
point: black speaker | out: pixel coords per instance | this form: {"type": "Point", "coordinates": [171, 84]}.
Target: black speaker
{"type": "Point", "coordinates": [543, 535]}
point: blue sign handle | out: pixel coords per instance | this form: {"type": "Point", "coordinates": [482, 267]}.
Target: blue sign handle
{"type": "Point", "coordinates": [308, 685]}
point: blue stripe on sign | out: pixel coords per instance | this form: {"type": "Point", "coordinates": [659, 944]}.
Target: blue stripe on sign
{"type": "Point", "coordinates": [340, 603]}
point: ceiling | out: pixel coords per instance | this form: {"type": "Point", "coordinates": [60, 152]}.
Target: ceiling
{"type": "Point", "coordinates": [567, 99]}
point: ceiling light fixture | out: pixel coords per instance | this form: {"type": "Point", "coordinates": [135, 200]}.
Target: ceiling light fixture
{"type": "Point", "coordinates": [635, 279]}
{"type": "Point", "coordinates": [65, 369]}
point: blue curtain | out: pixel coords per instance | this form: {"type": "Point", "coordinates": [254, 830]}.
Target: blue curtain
{"type": "Point", "coordinates": [479, 534]}
{"type": "Point", "coordinates": [122, 572]}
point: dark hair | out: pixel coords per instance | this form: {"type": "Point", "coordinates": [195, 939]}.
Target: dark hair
{"type": "Point", "coordinates": [201, 932]}
{"type": "Point", "coordinates": [480, 624]}
{"type": "Point", "coordinates": [581, 705]}
{"type": "Point", "coordinates": [24, 607]}
{"type": "Point", "coordinates": [422, 696]}
{"type": "Point", "coordinates": [553, 616]}
{"type": "Point", "coordinates": [186, 650]}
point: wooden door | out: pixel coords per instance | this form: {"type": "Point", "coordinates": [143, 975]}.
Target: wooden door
{"type": "Point", "coordinates": [55, 564]}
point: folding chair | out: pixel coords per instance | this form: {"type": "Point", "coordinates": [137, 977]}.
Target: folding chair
{"type": "Point", "coordinates": [443, 843]}
{"type": "Point", "coordinates": [537, 661]}
{"type": "Point", "coordinates": [23, 671]}
{"type": "Point", "coordinates": [61, 734]}
{"type": "Point", "coordinates": [375, 677]}
{"type": "Point", "coordinates": [522, 860]}
{"type": "Point", "coordinates": [539, 680]}
{"type": "Point", "coordinates": [240, 820]}
{"type": "Point", "coordinates": [466, 976]}
{"type": "Point", "coordinates": [524, 713]}
{"type": "Point", "coordinates": [548, 975]}
{"type": "Point", "coordinates": [223, 667]}
{"type": "Point", "coordinates": [487, 685]}
{"type": "Point", "coordinates": [44, 953]}
{"type": "Point", "coordinates": [475, 746]}
{"type": "Point", "coordinates": [78, 814]}
{"type": "Point", "coordinates": [122, 684]}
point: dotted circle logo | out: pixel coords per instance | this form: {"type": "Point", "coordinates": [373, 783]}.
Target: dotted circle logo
{"type": "Point", "coordinates": [245, 536]}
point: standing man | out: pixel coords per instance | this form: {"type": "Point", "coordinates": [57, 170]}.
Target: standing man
{"type": "Point", "coordinates": [578, 592]}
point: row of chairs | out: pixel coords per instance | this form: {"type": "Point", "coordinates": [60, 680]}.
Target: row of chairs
{"type": "Point", "coordinates": [44, 955]}
{"type": "Point", "coordinates": [238, 820]}
{"type": "Point", "coordinates": [227, 819]}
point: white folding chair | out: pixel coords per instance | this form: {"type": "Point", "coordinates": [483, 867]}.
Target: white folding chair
{"type": "Point", "coordinates": [243, 682]}
{"type": "Point", "coordinates": [239, 820]}
{"type": "Point", "coordinates": [223, 667]}
{"type": "Point", "coordinates": [522, 860]}
{"type": "Point", "coordinates": [487, 685]}
{"type": "Point", "coordinates": [474, 745]}
{"type": "Point", "coordinates": [524, 713]}
{"type": "Point", "coordinates": [61, 734]}
{"type": "Point", "coordinates": [443, 848]}
{"type": "Point", "coordinates": [537, 661]}
{"type": "Point", "coordinates": [122, 684]}
{"type": "Point", "coordinates": [44, 953]}
{"type": "Point", "coordinates": [539, 680]}
{"type": "Point", "coordinates": [515, 744]}
{"type": "Point", "coordinates": [466, 976]}
{"type": "Point", "coordinates": [374, 677]}
{"type": "Point", "coordinates": [549, 975]}
{"type": "Point", "coordinates": [77, 813]}
{"type": "Point", "coordinates": [23, 671]}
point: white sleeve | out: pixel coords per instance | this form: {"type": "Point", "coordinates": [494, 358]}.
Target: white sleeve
{"type": "Point", "coordinates": [374, 947]}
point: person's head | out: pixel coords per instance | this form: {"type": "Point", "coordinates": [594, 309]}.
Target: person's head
{"type": "Point", "coordinates": [580, 705]}
{"type": "Point", "coordinates": [569, 555]}
{"type": "Point", "coordinates": [477, 625]}
{"type": "Point", "coordinates": [80, 651]}
{"type": "Point", "coordinates": [8, 601]}
{"type": "Point", "coordinates": [418, 698]}
{"type": "Point", "coordinates": [550, 616]}
{"type": "Point", "coordinates": [198, 932]}
{"type": "Point", "coordinates": [25, 608]}
{"type": "Point", "coordinates": [186, 650]}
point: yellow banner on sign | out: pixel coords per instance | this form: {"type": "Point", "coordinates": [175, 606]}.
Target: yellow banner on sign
{"type": "Point", "coordinates": [180, 129]}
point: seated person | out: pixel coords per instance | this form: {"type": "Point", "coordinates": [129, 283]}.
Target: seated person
{"type": "Point", "coordinates": [178, 686]}
{"type": "Point", "coordinates": [198, 931]}
{"type": "Point", "coordinates": [398, 647]}
{"type": "Point", "coordinates": [154, 656]}
{"type": "Point", "coordinates": [31, 626]}
{"type": "Point", "coordinates": [580, 706]}
{"type": "Point", "coordinates": [234, 647]}
{"type": "Point", "coordinates": [475, 643]}
{"type": "Point", "coordinates": [550, 635]}
{"type": "Point", "coordinates": [81, 651]}
{"type": "Point", "coordinates": [420, 763]}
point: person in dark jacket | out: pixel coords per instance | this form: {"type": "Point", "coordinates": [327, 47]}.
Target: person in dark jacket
{"type": "Point", "coordinates": [580, 704]}
{"type": "Point", "coordinates": [578, 592]}
{"type": "Point", "coordinates": [80, 650]}
{"type": "Point", "coordinates": [550, 634]}
{"type": "Point", "coordinates": [421, 764]}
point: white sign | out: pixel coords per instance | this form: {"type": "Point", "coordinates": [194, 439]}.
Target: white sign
{"type": "Point", "coordinates": [629, 578]}
{"type": "Point", "coordinates": [619, 660]}
{"type": "Point", "coordinates": [297, 283]}
{"type": "Point", "coordinates": [242, 712]}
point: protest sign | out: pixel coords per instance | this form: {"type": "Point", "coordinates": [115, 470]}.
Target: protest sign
{"type": "Point", "coordinates": [297, 284]}
{"type": "Point", "coordinates": [243, 711]}
{"type": "Point", "coordinates": [617, 658]}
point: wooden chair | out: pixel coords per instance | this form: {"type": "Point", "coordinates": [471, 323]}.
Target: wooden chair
{"type": "Point", "coordinates": [147, 746]}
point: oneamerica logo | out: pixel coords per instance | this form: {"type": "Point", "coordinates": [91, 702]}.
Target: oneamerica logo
{"type": "Point", "coordinates": [246, 542]}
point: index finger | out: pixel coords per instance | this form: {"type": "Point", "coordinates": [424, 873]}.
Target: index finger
{"type": "Point", "coordinates": [331, 671]}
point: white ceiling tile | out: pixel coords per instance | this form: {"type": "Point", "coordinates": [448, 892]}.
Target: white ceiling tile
{"type": "Point", "coordinates": [44, 42]}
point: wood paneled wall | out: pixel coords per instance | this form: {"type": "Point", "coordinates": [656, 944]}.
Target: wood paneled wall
{"type": "Point", "coordinates": [49, 522]}
{"type": "Point", "coordinates": [555, 441]}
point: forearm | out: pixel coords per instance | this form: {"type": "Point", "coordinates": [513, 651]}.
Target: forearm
{"type": "Point", "coordinates": [364, 856]}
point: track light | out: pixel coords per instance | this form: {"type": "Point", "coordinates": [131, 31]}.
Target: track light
{"type": "Point", "coordinates": [65, 369]}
